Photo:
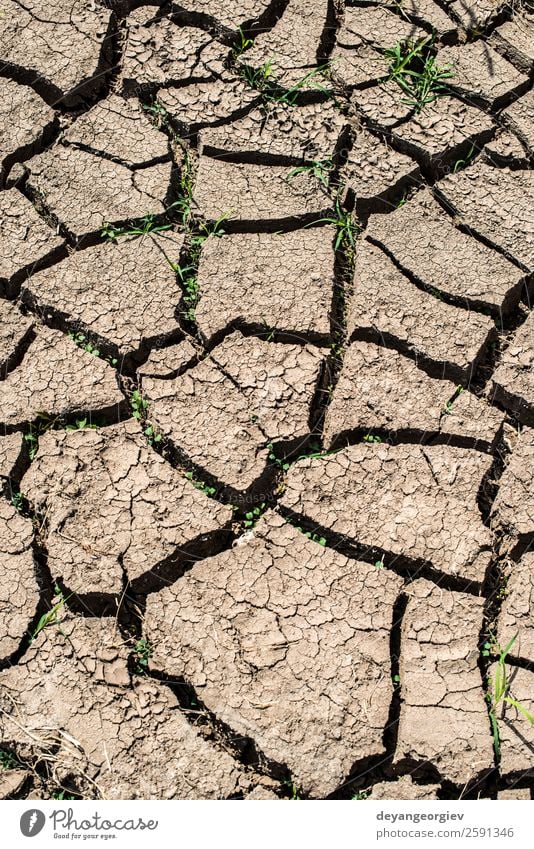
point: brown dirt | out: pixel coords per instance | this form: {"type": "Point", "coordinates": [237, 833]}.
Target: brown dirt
{"type": "Point", "coordinates": [266, 401]}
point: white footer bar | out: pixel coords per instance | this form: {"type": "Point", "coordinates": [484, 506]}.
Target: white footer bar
{"type": "Point", "coordinates": [268, 824]}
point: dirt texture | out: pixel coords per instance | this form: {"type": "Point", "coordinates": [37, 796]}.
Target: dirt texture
{"type": "Point", "coordinates": [379, 389]}
{"type": "Point", "coordinates": [412, 319]}
{"type": "Point", "coordinates": [395, 497]}
{"type": "Point", "coordinates": [157, 52]}
{"type": "Point", "coordinates": [437, 135]}
{"type": "Point", "coordinates": [63, 48]}
{"type": "Point", "coordinates": [496, 203]}
{"type": "Point", "coordinates": [422, 239]}
{"type": "Point", "coordinates": [75, 694]}
{"type": "Point", "coordinates": [375, 173]}
{"type": "Point", "coordinates": [514, 504]}
{"type": "Point", "coordinates": [266, 399]}
{"type": "Point", "coordinates": [520, 117]}
{"type": "Point", "coordinates": [204, 104]}
{"type": "Point", "coordinates": [111, 505]}
{"type": "Point", "coordinates": [19, 591]}
{"type": "Point", "coordinates": [297, 273]}
{"type": "Point", "coordinates": [515, 39]}
{"type": "Point", "coordinates": [517, 612]}
{"type": "Point", "coordinates": [293, 45]}
{"type": "Point", "coordinates": [10, 447]}
{"type": "Point", "coordinates": [481, 74]}
{"type": "Point", "coordinates": [25, 120]}
{"type": "Point", "coordinates": [230, 15]}
{"type": "Point", "coordinates": [252, 193]}
{"type": "Point", "coordinates": [87, 290]}
{"type": "Point", "coordinates": [119, 129]}
{"type": "Point", "coordinates": [26, 240]}
{"type": "Point", "coordinates": [309, 133]}
{"type": "Point", "coordinates": [84, 191]}
{"type": "Point", "coordinates": [443, 717]}
{"type": "Point", "coordinates": [513, 381]}
{"type": "Point", "coordinates": [288, 643]}
{"type": "Point", "coordinates": [515, 730]}
{"type": "Point", "coordinates": [403, 789]}
{"type": "Point", "coordinates": [225, 411]}
{"type": "Point", "coordinates": [57, 378]}
{"type": "Point", "coordinates": [15, 330]}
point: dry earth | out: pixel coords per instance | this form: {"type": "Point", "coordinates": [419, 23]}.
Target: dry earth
{"type": "Point", "coordinates": [266, 400]}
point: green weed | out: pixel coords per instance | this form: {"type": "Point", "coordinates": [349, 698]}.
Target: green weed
{"type": "Point", "coordinates": [417, 73]}
{"type": "Point", "coordinates": [62, 796]}
{"type": "Point", "coordinates": [370, 437]}
{"type": "Point", "coordinates": [345, 225]}
{"type": "Point", "coordinates": [151, 434]}
{"type": "Point", "coordinates": [290, 96]}
{"type": "Point", "coordinates": [257, 77]}
{"type": "Point", "coordinates": [158, 113]}
{"type": "Point", "coordinates": [293, 789]}
{"type": "Point", "coordinates": [242, 43]}
{"type": "Point", "coordinates": [463, 163]}
{"type": "Point", "coordinates": [17, 500]}
{"type": "Point", "coordinates": [318, 168]}
{"type": "Point", "coordinates": [184, 204]}
{"type": "Point", "coordinates": [138, 405]}
{"type": "Point", "coordinates": [252, 516]}
{"type": "Point", "coordinates": [81, 424]}
{"type": "Point", "coordinates": [310, 534]}
{"type": "Point", "coordinates": [363, 794]}
{"type": "Point", "coordinates": [42, 423]}
{"type": "Point", "coordinates": [148, 225]}
{"type": "Point", "coordinates": [33, 443]}
{"type": "Point", "coordinates": [141, 654]}
{"type": "Point", "coordinates": [51, 616]}
{"type": "Point", "coordinates": [82, 341]}
{"type": "Point", "coordinates": [499, 690]}
{"type": "Point", "coordinates": [8, 760]}
{"type": "Point", "coordinates": [271, 92]}
{"type": "Point", "coordinates": [187, 275]}
{"type": "Point", "coordinates": [198, 484]}
{"type": "Point", "coordinates": [282, 465]}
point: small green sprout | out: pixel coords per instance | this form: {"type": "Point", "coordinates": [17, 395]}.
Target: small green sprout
{"type": "Point", "coordinates": [138, 405]}
{"type": "Point", "coordinates": [416, 72]}
{"type": "Point", "coordinates": [252, 516]}
{"type": "Point", "coordinates": [141, 654]}
{"type": "Point", "coordinates": [17, 500]}
{"type": "Point", "coordinates": [200, 485]}
{"type": "Point", "coordinates": [148, 225]}
{"type": "Point", "coordinates": [499, 690]}
{"type": "Point", "coordinates": [370, 437]}
{"type": "Point", "coordinates": [242, 43]}
{"type": "Point", "coordinates": [283, 466]}
{"type": "Point", "coordinates": [346, 227]}
{"type": "Point", "coordinates": [318, 168]}
{"type": "Point", "coordinates": [8, 760]}
{"type": "Point", "coordinates": [51, 616]}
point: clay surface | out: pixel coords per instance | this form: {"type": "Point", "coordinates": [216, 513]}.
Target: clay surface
{"type": "Point", "coordinates": [288, 645]}
{"type": "Point", "coordinates": [395, 497]}
{"type": "Point", "coordinates": [112, 504]}
{"type": "Point", "coordinates": [438, 671]}
{"type": "Point", "coordinates": [266, 399]}
{"type": "Point", "coordinates": [88, 289]}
